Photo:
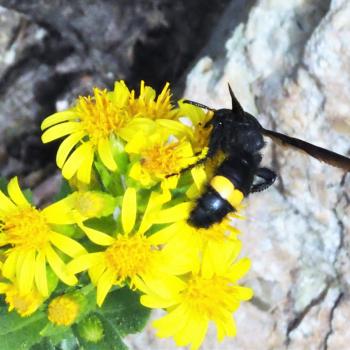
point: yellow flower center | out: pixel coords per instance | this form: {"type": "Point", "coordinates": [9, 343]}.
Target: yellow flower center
{"type": "Point", "coordinates": [162, 159]}
{"type": "Point", "coordinates": [99, 116]}
{"type": "Point", "coordinates": [146, 105]}
{"type": "Point", "coordinates": [24, 304]}
{"type": "Point", "coordinates": [129, 256]}
{"type": "Point", "coordinates": [26, 229]}
{"type": "Point", "coordinates": [63, 310]}
{"type": "Point", "coordinates": [208, 297]}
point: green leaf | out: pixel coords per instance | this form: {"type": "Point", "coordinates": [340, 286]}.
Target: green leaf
{"type": "Point", "coordinates": [45, 344]}
{"type": "Point", "coordinates": [123, 309]}
{"type": "Point", "coordinates": [3, 184]}
{"type": "Point", "coordinates": [20, 333]}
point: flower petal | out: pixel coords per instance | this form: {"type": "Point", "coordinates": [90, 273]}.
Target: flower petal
{"type": "Point", "coordinates": [175, 213]}
{"type": "Point", "coordinates": [84, 262]}
{"type": "Point", "coordinates": [129, 208]}
{"type": "Point", "coordinates": [84, 171]}
{"type": "Point", "coordinates": [75, 160]}
{"type": "Point", "coordinates": [6, 205]}
{"type": "Point", "coordinates": [60, 130]}
{"type": "Point", "coordinates": [27, 271]}
{"type": "Point", "coordinates": [9, 266]}
{"type": "Point", "coordinates": [155, 202]}
{"type": "Point", "coordinates": [58, 117]}
{"type": "Point", "coordinates": [66, 147]}
{"type": "Point", "coordinates": [40, 274]}
{"type": "Point", "coordinates": [103, 286]}
{"type": "Point", "coordinates": [97, 237]}
{"type": "Point", "coordinates": [59, 267]}
{"type": "Point", "coordinates": [67, 245]}
{"type": "Point", "coordinates": [16, 194]}
{"type": "Point", "coordinates": [106, 155]}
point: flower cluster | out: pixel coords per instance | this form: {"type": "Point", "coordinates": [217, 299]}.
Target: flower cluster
{"type": "Point", "coordinates": [123, 222]}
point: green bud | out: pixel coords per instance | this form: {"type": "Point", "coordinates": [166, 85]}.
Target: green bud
{"type": "Point", "coordinates": [91, 329]}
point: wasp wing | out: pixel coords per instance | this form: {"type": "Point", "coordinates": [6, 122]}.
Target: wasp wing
{"type": "Point", "coordinates": [322, 154]}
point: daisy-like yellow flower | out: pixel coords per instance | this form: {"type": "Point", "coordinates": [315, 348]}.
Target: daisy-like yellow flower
{"type": "Point", "coordinates": [131, 255]}
{"type": "Point", "coordinates": [31, 241]}
{"type": "Point", "coordinates": [157, 155]}
{"type": "Point", "coordinates": [24, 304]}
{"type": "Point", "coordinates": [210, 293]}
{"type": "Point", "coordinates": [90, 125]}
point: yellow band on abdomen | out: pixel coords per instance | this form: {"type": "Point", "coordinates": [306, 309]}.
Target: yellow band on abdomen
{"type": "Point", "coordinates": [226, 190]}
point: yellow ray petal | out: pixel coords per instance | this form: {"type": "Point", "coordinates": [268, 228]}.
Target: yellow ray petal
{"type": "Point", "coordinates": [199, 176]}
{"type": "Point", "coordinates": [67, 245]}
{"type": "Point", "coordinates": [239, 269]}
{"type": "Point", "coordinates": [60, 130]}
{"type": "Point", "coordinates": [164, 235]}
{"type": "Point", "coordinates": [129, 208]}
{"type": "Point", "coordinates": [155, 302]}
{"type": "Point", "coordinates": [9, 266]}
{"type": "Point", "coordinates": [66, 147]}
{"type": "Point", "coordinates": [197, 330]}
{"type": "Point", "coordinates": [40, 274]}
{"type": "Point", "coordinates": [171, 323]}
{"type": "Point", "coordinates": [243, 293]}
{"type": "Point", "coordinates": [175, 213]}
{"type": "Point", "coordinates": [97, 237]}
{"type": "Point", "coordinates": [26, 275]}
{"type": "Point", "coordinates": [103, 287]}
{"type": "Point", "coordinates": [6, 205]}
{"type": "Point", "coordinates": [106, 155]}
{"type": "Point", "coordinates": [84, 172]}
{"type": "Point", "coordinates": [84, 262]}
{"type": "Point", "coordinates": [96, 271]}
{"type": "Point", "coordinates": [75, 160]}
{"type": "Point", "coordinates": [16, 194]}
{"type": "Point", "coordinates": [59, 213]}
{"type": "Point", "coordinates": [155, 202]}
{"type": "Point", "coordinates": [58, 117]}
{"type": "Point", "coordinates": [59, 268]}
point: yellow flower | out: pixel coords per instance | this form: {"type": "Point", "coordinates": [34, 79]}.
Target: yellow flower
{"type": "Point", "coordinates": [157, 155]}
{"type": "Point", "coordinates": [131, 255]}
{"type": "Point", "coordinates": [63, 310]}
{"type": "Point", "coordinates": [209, 293]}
{"type": "Point", "coordinates": [91, 125]}
{"type": "Point", "coordinates": [31, 241]}
{"type": "Point", "coordinates": [24, 303]}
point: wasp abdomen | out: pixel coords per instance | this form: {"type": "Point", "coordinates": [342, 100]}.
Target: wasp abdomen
{"type": "Point", "coordinates": [220, 198]}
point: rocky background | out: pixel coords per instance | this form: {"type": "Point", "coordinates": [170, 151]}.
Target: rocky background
{"type": "Point", "coordinates": [289, 64]}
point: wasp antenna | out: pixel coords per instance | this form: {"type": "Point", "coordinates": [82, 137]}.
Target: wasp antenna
{"type": "Point", "coordinates": [197, 104]}
{"type": "Point", "coordinates": [236, 107]}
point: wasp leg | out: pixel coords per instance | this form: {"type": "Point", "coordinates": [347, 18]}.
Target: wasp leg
{"type": "Point", "coordinates": [213, 146]}
{"type": "Point", "coordinates": [267, 177]}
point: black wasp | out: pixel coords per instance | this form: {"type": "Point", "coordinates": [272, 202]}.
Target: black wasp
{"type": "Point", "coordinates": [240, 137]}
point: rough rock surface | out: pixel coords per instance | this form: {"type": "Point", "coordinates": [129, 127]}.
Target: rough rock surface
{"type": "Point", "coordinates": [288, 63]}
